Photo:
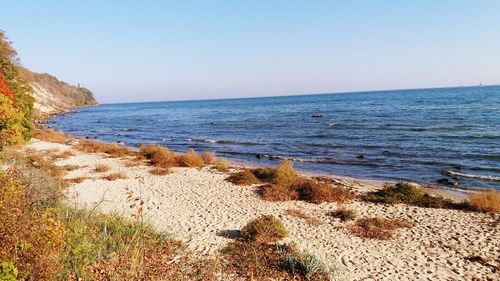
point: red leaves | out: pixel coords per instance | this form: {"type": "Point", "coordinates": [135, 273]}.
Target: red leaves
{"type": "Point", "coordinates": [5, 88]}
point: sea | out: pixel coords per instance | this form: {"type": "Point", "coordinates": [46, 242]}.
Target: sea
{"type": "Point", "coordinates": [446, 135]}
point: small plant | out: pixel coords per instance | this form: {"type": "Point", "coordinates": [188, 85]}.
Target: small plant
{"type": "Point", "coordinates": [112, 149]}
{"type": "Point", "coordinates": [115, 176]}
{"type": "Point", "coordinates": [308, 218]}
{"type": "Point", "coordinates": [158, 171]}
{"type": "Point", "coordinates": [51, 135]}
{"type": "Point", "coordinates": [306, 265]}
{"type": "Point", "coordinates": [158, 155]}
{"type": "Point", "coordinates": [264, 229]}
{"type": "Point", "coordinates": [244, 177]}
{"type": "Point", "coordinates": [208, 157]}
{"type": "Point", "coordinates": [191, 159]}
{"type": "Point", "coordinates": [274, 192]}
{"type": "Point", "coordinates": [222, 165]}
{"type": "Point", "coordinates": [101, 168]}
{"type": "Point", "coordinates": [409, 194]}
{"type": "Point", "coordinates": [485, 201]}
{"type": "Point", "coordinates": [343, 214]}
{"type": "Point", "coordinates": [378, 228]}
{"type": "Point", "coordinates": [318, 192]}
{"type": "Point", "coordinates": [285, 173]}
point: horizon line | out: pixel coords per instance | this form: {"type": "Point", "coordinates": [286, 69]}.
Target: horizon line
{"type": "Point", "coordinates": [308, 94]}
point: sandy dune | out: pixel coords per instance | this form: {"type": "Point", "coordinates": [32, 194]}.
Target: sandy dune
{"type": "Point", "coordinates": [199, 207]}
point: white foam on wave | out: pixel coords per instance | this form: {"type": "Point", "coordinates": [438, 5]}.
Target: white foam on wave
{"type": "Point", "coordinates": [482, 177]}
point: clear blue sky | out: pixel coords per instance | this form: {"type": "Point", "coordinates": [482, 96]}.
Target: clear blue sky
{"type": "Point", "coordinates": [169, 50]}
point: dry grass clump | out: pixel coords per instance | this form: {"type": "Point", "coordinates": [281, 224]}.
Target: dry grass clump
{"type": "Point", "coordinates": [485, 201]}
{"type": "Point", "coordinates": [208, 157]}
{"type": "Point", "coordinates": [51, 135]}
{"type": "Point", "coordinates": [115, 176]}
{"type": "Point", "coordinates": [244, 177]}
{"type": "Point", "coordinates": [76, 180]}
{"type": "Point", "coordinates": [101, 168]}
{"type": "Point", "coordinates": [343, 214]}
{"type": "Point", "coordinates": [407, 193]}
{"type": "Point", "coordinates": [159, 171]}
{"type": "Point", "coordinates": [308, 218]}
{"type": "Point", "coordinates": [64, 155]}
{"type": "Point", "coordinates": [264, 229]}
{"type": "Point", "coordinates": [191, 159]}
{"type": "Point", "coordinates": [378, 228]}
{"type": "Point", "coordinates": [158, 155]}
{"type": "Point", "coordinates": [254, 261]}
{"type": "Point", "coordinates": [318, 192]}
{"type": "Point", "coordinates": [283, 174]}
{"type": "Point", "coordinates": [305, 190]}
{"type": "Point", "coordinates": [112, 149]}
{"type": "Point", "coordinates": [222, 165]}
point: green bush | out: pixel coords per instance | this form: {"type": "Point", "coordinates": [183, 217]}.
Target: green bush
{"type": "Point", "coordinates": [264, 229]}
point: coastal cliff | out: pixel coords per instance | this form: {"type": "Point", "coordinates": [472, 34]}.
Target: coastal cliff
{"type": "Point", "coordinates": [54, 96]}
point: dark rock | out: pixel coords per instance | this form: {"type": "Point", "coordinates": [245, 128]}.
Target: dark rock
{"type": "Point", "coordinates": [360, 156]}
{"type": "Point", "coordinates": [386, 152]}
{"type": "Point", "coordinates": [259, 156]}
{"type": "Point", "coordinates": [445, 181]}
{"type": "Point", "coordinates": [317, 116]}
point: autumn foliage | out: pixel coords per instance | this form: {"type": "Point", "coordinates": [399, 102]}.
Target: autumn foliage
{"type": "Point", "coordinates": [6, 88]}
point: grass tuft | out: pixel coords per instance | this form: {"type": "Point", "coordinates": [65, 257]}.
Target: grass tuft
{"type": "Point", "coordinates": [244, 177]}
{"type": "Point", "coordinates": [101, 168]}
{"type": "Point", "coordinates": [343, 214]}
{"type": "Point", "coordinates": [222, 165]}
{"type": "Point", "coordinates": [409, 194]}
{"type": "Point", "coordinates": [51, 135]}
{"type": "Point", "coordinates": [378, 228]}
{"type": "Point", "coordinates": [191, 159]}
{"type": "Point", "coordinates": [159, 171]}
{"type": "Point", "coordinates": [264, 229]}
{"type": "Point", "coordinates": [485, 201]}
{"type": "Point", "coordinates": [158, 155]}
{"type": "Point", "coordinates": [115, 176]}
{"type": "Point", "coordinates": [208, 157]}
{"type": "Point", "coordinates": [308, 218]}
{"type": "Point", "coordinates": [112, 149]}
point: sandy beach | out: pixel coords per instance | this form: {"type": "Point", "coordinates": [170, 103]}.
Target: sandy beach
{"type": "Point", "coordinates": [199, 207]}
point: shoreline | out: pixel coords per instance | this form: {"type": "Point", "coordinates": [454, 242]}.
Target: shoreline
{"type": "Point", "coordinates": [203, 210]}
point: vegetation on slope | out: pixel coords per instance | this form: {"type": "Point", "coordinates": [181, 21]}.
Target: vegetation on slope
{"type": "Point", "coordinates": [16, 103]}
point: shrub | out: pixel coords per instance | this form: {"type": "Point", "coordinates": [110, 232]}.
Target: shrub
{"type": "Point", "coordinates": [254, 261]}
{"type": "Point", "coordinates": [308, 218]}
{"type": "Point", "coordinates": [485, 201]}
{"type": "Point", "coordinates": [112, 149]}
{"type": "Point", "coordinates": [318, 192]}
{"type": "Point", "coordinates": [101, 168]}
{"type": "Point", "coordinates": [306, 265]}
{"type": "Point", "coordinates": [265, 174]}
{"type": "Point", "coordinates": [158, 171]}
{"type": "Point", "coordinates": [343, 214]}
{"type": "Point", "coordinates": [378, 228]}
{"type": "Point", "coordinates": [51, 135]}
{"type": "Point", "coordinates": [115, 176]}
{"type": "Point", "coordinates": [65, 154]}
{"type": "Point", "coordinates": [274, 192]}
{"type": "Point", "coordinates": [208, 157]}
{"type": "Point", "coordinates": [264, 229]}
{"type": "Point", "coordinates": [285, 173]}
{"type": "Point", "coordinates": [409, 194]}
{"type": "Point", "coordinates": [222, 165]}
{"type": "Point", "coordinates": [191, 159]}
{"type": "Point", "coordinates": [158, 155]}
{"type": "Point", "coordinates": [244, 177]}
{"type": "Point", "coordinates": [305, 190]}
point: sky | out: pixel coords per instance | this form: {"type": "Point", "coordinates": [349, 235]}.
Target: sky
{"type": "Point", "coordinates": [129, 51]}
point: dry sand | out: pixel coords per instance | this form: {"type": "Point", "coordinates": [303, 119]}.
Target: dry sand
{"type": "Point", "coordinates": [199, 207]}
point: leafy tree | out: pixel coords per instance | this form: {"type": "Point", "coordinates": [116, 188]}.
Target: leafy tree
{"type": "Point", "coordinates": [16, 102]}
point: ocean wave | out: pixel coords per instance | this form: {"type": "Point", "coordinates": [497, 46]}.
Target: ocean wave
{"type": "Point", "coordinates": [245, 143]}
{"type": "Point", "coordinates": [472, 176]}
